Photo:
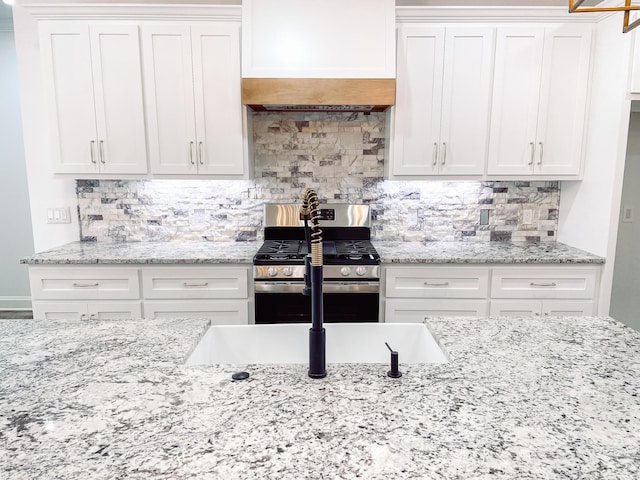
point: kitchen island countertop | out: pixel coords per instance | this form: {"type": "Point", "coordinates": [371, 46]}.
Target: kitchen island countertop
{"type": "Point", "coordinates": [521, 398]}
{"type": "Point", "coordinates": [243, 252]}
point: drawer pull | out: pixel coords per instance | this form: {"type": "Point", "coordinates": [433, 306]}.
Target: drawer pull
{"type": "Point", "coordinates": [436, 284]}
{"type": "Point", "coordinates": [195, 284]}
{"type": "Point", "coordinates": [85, 285]}
{"type": "Point", "coordinates": [534, 284]}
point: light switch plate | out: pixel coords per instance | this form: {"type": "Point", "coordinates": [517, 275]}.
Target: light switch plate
{"type": "Point", "coordinates": [527, 217]}
{"type": "Point", "coordinates": [58, 215]}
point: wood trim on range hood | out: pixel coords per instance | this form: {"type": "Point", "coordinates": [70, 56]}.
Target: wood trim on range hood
{"type": "Point", "coordinates": [319, 94]}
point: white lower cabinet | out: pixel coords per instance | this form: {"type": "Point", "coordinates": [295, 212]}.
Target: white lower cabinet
{"type": "Point", "coordinates": [544, 290]}
{"type": "Point", "coordinates": [413, 292]}
{"type": "Point", "coordinates": [219, 293]}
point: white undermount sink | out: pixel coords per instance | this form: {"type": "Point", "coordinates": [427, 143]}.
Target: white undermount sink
{"type": "Point", "coordinates": [346, 343]}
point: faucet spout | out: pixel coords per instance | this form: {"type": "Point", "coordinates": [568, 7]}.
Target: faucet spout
{"type": "Point", "coordinates": [317, 333]}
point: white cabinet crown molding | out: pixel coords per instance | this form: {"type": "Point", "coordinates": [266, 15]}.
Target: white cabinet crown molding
{"type": "Point", "coordinates": [177, 12]}
{"type": "Point", "coordinates": [486, 14]}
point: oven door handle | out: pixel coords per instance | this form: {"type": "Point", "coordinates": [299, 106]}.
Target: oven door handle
{"type": "Point", "coordinates": [327, 287]}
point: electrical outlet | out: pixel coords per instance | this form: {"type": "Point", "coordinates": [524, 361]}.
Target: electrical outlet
{"type": "Point", "coordinates": [527, 217]}
{"type": "Point", "coordinates": [627, 214]}
{"type": "Point", "coordinates": [413, 217]}
{"type": "Point", "coordinates": [199, 217]}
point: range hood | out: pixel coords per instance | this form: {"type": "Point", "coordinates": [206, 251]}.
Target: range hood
{"type": "Point", "coordinates": [306, 55]}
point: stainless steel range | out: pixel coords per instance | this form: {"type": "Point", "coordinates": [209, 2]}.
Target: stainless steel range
{"type": "Point", "coordinates": [351, 266]}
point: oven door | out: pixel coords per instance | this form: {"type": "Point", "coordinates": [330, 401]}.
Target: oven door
{"type": "Point", "coordinates": [283, 302]}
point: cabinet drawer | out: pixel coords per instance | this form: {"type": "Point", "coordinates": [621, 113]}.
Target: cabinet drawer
{"type": "Point", "coordinates": [437, 282]}
{"type": "Point", "coordinates": [80, 283]}
{"type": "Point", "coordinates": [204, 283]}
{"type": "Point", "coordinates": [543, 282]}
{"type": "Point", "coordinates": [415, 310]}
{"type": "Point", "coordinates": [219, 312]}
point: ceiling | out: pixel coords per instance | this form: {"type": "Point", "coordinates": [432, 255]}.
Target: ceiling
{"type": "Point", "coordinates": [5, 10]}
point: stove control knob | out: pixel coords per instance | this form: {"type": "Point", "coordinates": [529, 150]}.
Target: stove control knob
{"type": "Point", "coordinates": [345, 271]}
{"type": "Point", "coordinates": [272, 271]}
{"type": "Point", "coordinates": [360, 271]}
{"type": "Point", "coordinates": [288, 271]}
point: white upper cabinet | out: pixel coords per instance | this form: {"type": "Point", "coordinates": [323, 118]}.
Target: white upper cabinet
{"type": "Point", "coordinates": [192, 89]}
{"type": "Point", "coordinates": [441, 117]}
{"type": "Point", "coordinates": [312, 39]}
{"type": "Point", "coordinates": [93, 87]}
{"type": "Point", "coordinates": [539, 100]}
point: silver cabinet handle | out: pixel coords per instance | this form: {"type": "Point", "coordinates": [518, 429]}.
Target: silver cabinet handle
{"type": "Point", "coordinates": [444, 153]}
{"type": "Point", "coordinates": [535, 284]}
{"type": "Point", "coordinates": [195, 284]}
{"type": "Point", "coordinates": [101, 151]}
{"type": "Point", "coordinates": [436, 284]}
{"type": "Point", "coordinates": [191, 153]}
{"type": "Point", "coordinates": [533, 152]}
{"type": "Point", "coordinates": [83, 316]}
{"type": "Point", "coordinates": [541, 153]}
{"type": "Point", "coordinates": [85, 285]}
{"type": "Point", "coordinates": [92, 144]}
{"type": "Point", "coordinates": [435, 153]}
{"type": "Point", "coordinates": [93, 316]}
{"type": "Point", "coordinates": [200, 153]}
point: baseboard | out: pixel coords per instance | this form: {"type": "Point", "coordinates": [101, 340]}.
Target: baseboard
{"type": "Point", "coordinates": [15, 303]}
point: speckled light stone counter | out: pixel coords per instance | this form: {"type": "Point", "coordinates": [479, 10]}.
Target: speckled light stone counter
{"type": "Point", "coordinates": [482, 252]}
{"type": "Point", "coordinates": [521, 398]}
{"type": "Point", "coordinates": [147, 252]}
{"type": "Point", "coordinates": [243, 252]}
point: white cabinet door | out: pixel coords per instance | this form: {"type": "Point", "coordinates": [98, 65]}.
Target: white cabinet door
{"type": "Point", "coordinates": [66, 57]}
{"type": "Point", "coordinates": [87, 311]}
{"type": "Point", "coordinates": [416, 136]}
{"type": "Point", "coordinates": [468, 68]}
{"type": "Point", "coordinates": [516, 93]}
{"type": "Point", "coordinates": [415, 310]}
{"type": "Point", "coordinates": [442, 101]}
{"type": "Point", "coordinates": [59, 310]}
{"type": "Point", "coordinates": [539, 100]}
{"type": "Point", "coordinates": [93, 87]}
{"type": "Point", "coordinates": [117, 81]}
{"type": "Point", "coordinates": [194, 107]}
{"type": "Point", "coordinates": [563, 100]}
{"type": "Point", "coordinates": [218, 102]}
{"type": "Point", "coordinates": [168, 87]}
{"type": "Point", "coordinates": [526, 308]}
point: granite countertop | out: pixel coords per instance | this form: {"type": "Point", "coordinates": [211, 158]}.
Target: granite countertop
{"type": "Point", "coordinates": [521, 398]}
{"type": "Point", "coordinates": [243, 252]}
{"type": "Point", "coordinates": [483, 252]}
{"type": "Point", "coordinates": [146, 252]}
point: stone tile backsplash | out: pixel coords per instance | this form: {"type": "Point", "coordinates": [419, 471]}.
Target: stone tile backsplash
{"type": "Point", "coordinates": [342, 157]}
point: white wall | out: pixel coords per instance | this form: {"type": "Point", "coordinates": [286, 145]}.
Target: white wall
{"type": "Point", "coordinates": [45, 189]}
{"type": "Point", "coordinates": [15, 219]}
{"type": "Point", "coordinates": [625, 301]}
{"type": "Point", "coordinates": [589, 209]}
